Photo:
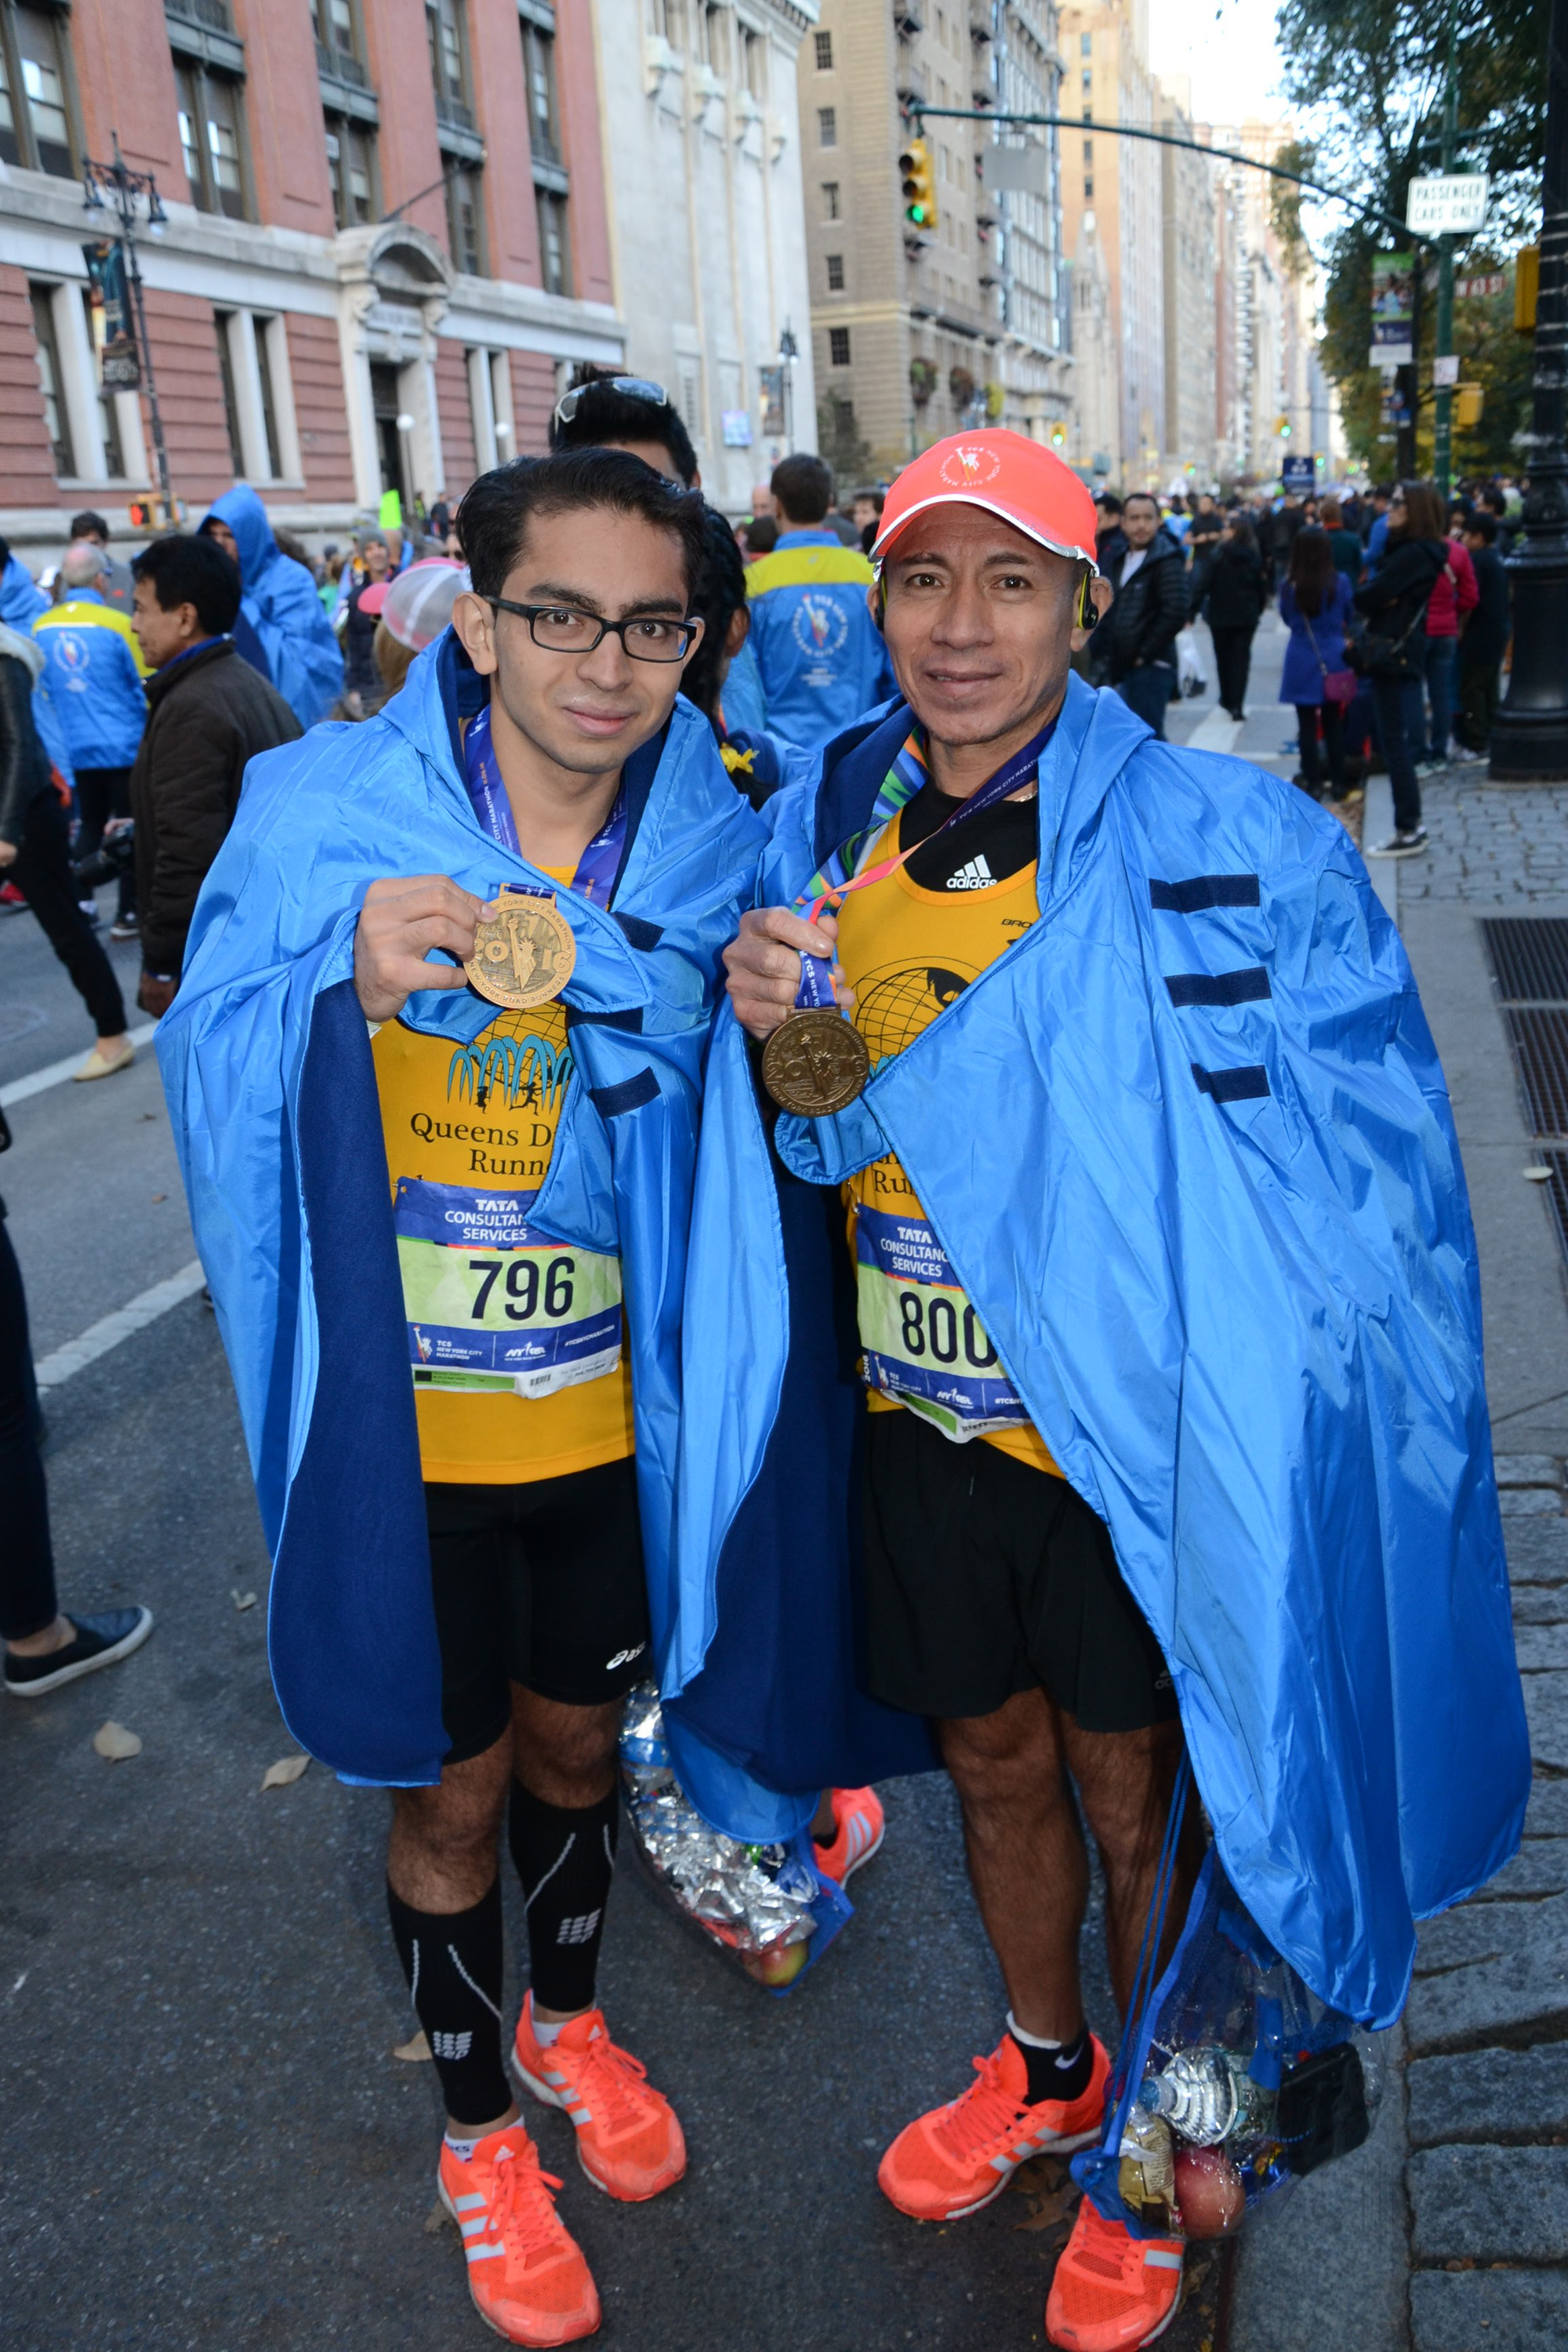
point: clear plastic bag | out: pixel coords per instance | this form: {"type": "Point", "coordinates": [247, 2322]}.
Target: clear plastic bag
{"type": "Point", "coordinates": [769, 1907]}
{"type": "Point", "coordinates": [1233, 2082]}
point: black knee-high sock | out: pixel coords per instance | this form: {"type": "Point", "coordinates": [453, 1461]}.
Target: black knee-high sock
{"type": "Point", "coordinates": [453, 1963]}
{"type": "Point", "coordinates": [565, 1858]}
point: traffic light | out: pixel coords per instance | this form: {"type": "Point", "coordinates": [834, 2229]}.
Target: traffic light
{"type": "Point", "coordinates": [918, 185]}
{"type": "Point", "coordinates": [1469, 405]}
{"type": "Point", "coordinates": [1059, 436]}
{"type": "Point", "coordinates": [1526, 287]}
{"type": "Point", "coordinates": [1282, 426]}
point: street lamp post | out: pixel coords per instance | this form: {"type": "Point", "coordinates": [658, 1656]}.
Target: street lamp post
{"type": "Point", "coordinates": [789, 352]}
{"type": "Point", "coordinates": [127, 188]}
{"type": "Point", "coordinates": [1530, 736]}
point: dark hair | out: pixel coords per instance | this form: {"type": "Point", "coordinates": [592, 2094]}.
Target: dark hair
{"type": "Point", "coordinates": [1242, 533]}
{"type": "Point", "coordinates": [1332, 514]}
{"type": "Point", "coordinates": [185, 568]}
{"type": "Point", "coordinates": [4, 553]}
{"type": "Point", "coordinates": [83, 525]}
{"type": "Point", "coordinates": [803, 486]}
{"type": "Point", "coordinates": [718, 596]}
{"type": "Point", "coordinates": [1312, 572]}
{"type": "Point", "coordinates": [497, 509]}
{"type": "Point", "coordinates": [1423, 511]}
{"type": "Point", "coordinates": [762, 535]}
{"type": "Point", "coordinates": [1493, 497]}
{"type": "Point", "coordinates": [873, 496]}
{"type": "Point", "coordinates": [605, 417]}
{"type": "Point", "coordinates": [1484, 526]}
{"type": "Point", "coordinates": [1144, 497]}
{"type": "Point", "coordinates": [1109, 501]}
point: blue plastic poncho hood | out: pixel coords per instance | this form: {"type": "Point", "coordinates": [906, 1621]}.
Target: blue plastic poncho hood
{"type": "Point", "coordinates": [1189, 1150]}
{"type": "Point", "coordinates": [281, 615]}
{"type": "Point", "coordinates": [266, 1064]}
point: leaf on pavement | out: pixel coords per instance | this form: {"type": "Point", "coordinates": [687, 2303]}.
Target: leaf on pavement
{"type": "Point", "coordinates": [243, 1599]}
{"type": "Point", "coordinates": [285, 1773]}
{"type": "Point", "coordinates": [436, 2219]}
{"type": "Point", "coordinates": [114, 1741]}
{"type": "Point", "coordinates": [414, 2050]}
{"type": "Point", "coordinates": [1053, 2209]}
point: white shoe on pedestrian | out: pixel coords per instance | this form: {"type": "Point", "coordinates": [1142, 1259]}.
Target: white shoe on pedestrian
{"type": "Point", "coordinates": [101, 1064]}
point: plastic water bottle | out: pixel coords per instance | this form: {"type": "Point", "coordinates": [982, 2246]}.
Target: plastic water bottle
{"type": "Point", "coordinates": [1207, 2096]}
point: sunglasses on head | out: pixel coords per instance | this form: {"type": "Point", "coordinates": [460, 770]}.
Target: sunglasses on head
{"type": "Point", "coordinates": [635, 387]}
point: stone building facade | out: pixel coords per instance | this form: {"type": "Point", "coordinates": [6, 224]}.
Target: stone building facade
{"type": "Point", "coordinates": [387, 240]}
{"type": "Point", "coordinates": [1187, 208]}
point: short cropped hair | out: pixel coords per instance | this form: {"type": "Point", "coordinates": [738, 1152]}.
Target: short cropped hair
{"type": "Point", "coordinates": [1139, 499]}
{"type": "Point", "coordinates": [1483, 526]}
{"type": "Point", "coordinates": [497, 509]}
{"type": "Point", "coordinates": [185, 568]}
{"type": "Point", "coordinates": [719, 594]}
{"type": "Point", "coordinates": [87, 525]}
{"type": "Point", "coordinates": [604, 415]}
{"type": "Point", "coordinates": [803, 486]}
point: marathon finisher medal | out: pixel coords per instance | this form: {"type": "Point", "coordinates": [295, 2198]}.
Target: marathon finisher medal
{"type": "Point", "coordinates": [523, 951]}
{"type": "Point", "coordinates": [816, 1063]}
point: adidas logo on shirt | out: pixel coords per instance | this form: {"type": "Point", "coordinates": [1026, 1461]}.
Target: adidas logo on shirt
{"type": "Point", "coordinates": [975, 876]}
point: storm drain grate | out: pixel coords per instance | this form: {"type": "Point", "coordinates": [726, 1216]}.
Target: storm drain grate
{"type": "Point", "coordinates": [1557, 1193]}
{"type": "Point", "coordinates": [1529, 957]}
{"type": "Point", "coordinates": [1541, 1048]}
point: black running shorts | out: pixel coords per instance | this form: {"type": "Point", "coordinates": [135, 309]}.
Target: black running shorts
{"type": "Point", "coordinates": [540, 1584]}
{"type": "Point", "coordinates": [985, 1577]}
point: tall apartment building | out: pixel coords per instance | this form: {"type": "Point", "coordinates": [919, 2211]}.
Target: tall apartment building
{"type": "Point", "coordinates": [1187, 208]}
{"type": "Point", "coordinates": [1107, 78]}
{"type": "Point", "coordinates": [915, 335]}
{"type": "Point", "coordinates": [385, 239]}
{"type": "Point", "coordinates": [707, 229]}
{"type": "Point", "coordinates": [1274, 330]}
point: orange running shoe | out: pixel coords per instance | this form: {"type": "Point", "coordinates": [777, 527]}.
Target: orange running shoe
{"type": "Point", "coordinates": [526, 2272]}
{"type": "Point", "coordinates": [861, 1826]}
{"type": "Point", "coordinates": [958, 2157]}
{"type": "Point", "coordinates": [1111, 2290]}
{"type": "Point", "coordinates": [629, 2140]}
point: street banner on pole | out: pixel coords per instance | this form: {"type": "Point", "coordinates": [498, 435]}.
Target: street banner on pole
{"type": "Point", "coordinates": [773, 399]}
{"type": "Point", "coordinates": [1450, 205]}
{"type": "Point", "coordinates": [1299, 474]}
{"type": "Point", "coordinates": [118, 363]}
{"type": "Point", "coordinates": [1393, 310]}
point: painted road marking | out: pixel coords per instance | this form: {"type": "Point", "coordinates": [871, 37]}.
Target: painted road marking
{"type": "Point", "coordinates": [98, 1340]}
{"type": "Point", "coordinates": [53, 1072]}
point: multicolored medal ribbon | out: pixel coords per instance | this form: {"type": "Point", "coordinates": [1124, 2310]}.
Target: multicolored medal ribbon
{"type": "Point", "coordinates": [524, 952]}
{"type": "Point", "coordinates": [817, 1061]}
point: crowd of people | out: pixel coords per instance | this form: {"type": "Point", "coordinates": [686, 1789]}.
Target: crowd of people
{"type": "Point", "coordinates": [749, 1246]}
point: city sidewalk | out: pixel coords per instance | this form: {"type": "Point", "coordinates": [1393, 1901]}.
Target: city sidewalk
{"type": "Point", "coordinates": [1449, 2232]}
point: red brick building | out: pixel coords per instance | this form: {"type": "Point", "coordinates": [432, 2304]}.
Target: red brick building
{"type": "Point", "coordinates": [385, 242]}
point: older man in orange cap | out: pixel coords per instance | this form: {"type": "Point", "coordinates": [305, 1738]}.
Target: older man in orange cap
{"type": "Point", "coordinates": [1116, 1070]}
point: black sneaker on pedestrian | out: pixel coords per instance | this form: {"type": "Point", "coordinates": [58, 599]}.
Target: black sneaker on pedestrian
{"type": "Point", "coordinates": [100, 1641]}
{"type": "Point", "coordinates": [1402, 844]}
{"type": "Point", "coordinates": [125, 926]}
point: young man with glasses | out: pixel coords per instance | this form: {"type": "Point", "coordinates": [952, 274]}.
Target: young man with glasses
{"type": "Point", "coordinates": [436, 1068]}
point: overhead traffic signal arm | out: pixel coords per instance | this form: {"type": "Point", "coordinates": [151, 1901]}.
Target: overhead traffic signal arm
{"type": "Point", "coordinates": [918, 184]}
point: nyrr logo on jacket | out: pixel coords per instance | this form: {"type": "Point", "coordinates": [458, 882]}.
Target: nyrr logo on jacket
{"type": "Point", "coordinates": [969, 469]}
{"type": "Point", "coordinates": [819, 626]}
{"type": "Point", "coordinates": [71, 646]}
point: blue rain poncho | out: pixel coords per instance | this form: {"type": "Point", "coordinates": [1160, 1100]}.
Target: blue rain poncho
{"type": "Point", "coordinates": [281, 630]}
{"type": "Point", "coordinates": [1188, 1148]}
{"type": "Point", "coordinates": [266, 1064]}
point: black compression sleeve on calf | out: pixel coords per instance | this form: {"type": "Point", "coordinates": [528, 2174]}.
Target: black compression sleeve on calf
{"type": "Point", "coordinates": [453, 1963]}
{"type": "Point", "coordinates": [564, 1857]}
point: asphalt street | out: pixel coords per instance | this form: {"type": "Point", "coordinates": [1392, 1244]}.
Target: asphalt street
{"type": "Point", "coordinates": [207, 2140]}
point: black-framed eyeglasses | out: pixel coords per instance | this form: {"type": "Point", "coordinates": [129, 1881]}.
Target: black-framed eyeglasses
{"type": "Point", "coordinates": [561, 629]}
{"type": "Point", "coordinates": [635, 387]}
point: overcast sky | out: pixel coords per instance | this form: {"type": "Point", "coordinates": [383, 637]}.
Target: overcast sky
{"type": "Point", "coordinates": [1228, 47]}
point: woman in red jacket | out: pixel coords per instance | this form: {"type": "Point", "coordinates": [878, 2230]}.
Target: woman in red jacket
{"type": "Point", "coordinates": [1453, 598]}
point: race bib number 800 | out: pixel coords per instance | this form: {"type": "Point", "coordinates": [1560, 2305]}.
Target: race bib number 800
{"type": "Point", "coordinates": [924, 1342]}
{"type": "Point", "coordinates": [492, 1303]}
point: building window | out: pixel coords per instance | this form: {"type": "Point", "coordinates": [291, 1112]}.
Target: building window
{"type": "Point", "coordinates": [222, 322]}
{"type": "Point", "coordinates": [1088, 79]}
{"type": "Point", "coordinates": [544, 106]}
{"type": "Point", "coordinates": [1086, 45]}
{"type": "Point", "coordinates": [450, 61]}
{"type": "Point", "coordinates": [350, 167]}
{"type": "Point", "coordinates": [755, 60]}
{"type": "Point", "coordinates": [827, 126]}
{"type": "Point", "coordinates": [1088, 191]}
{"type": "Point", "coordinates": [554, 253]}
{"type": "Point", "coordinates": [211, 120]}
{"type": "Point", "coordinates": [825, 53]}
{"type": "Point", "coordinates": [836, 273]}
{"type": "Point", "coordinates": [1088, 150]}
{"type": "Point", "coordinates": [269, 406]}
{"type": "Point", "coordinates": [838, 346]}
{"type": "Point", "coordinates": [56, 424]}
{"type": "Point", "coordinates": [35, 110]}
{"type": "Point", "coordinates": [335, 28]}
{"type": "Point", "coordinates": [831, 200]}
{"type": "Point", "coordinates": [108, 415]}
{"type": "Point", "coordinates": [464, 222]}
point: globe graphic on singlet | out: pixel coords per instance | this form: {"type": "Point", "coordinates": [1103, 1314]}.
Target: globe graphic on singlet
{"type": "Point", "coordinates": [895, 1004]}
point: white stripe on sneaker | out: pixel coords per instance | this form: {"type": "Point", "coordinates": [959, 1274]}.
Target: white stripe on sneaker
{"type": "Point", "coordinates": [466, 2204]}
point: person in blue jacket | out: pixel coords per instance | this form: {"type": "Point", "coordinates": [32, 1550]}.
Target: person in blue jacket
{"type": "Point", "coordinates": [818, 654]}
{"type": "Point", "coordinates": [21, 598]}
{"type": "Point", "coordinates": [92, 684]}
{"type": "Point", "coordinates": [281, 630]}
{"type": "Point", "coordinates": [444, 1224]}
{"type": "Point", "coordinates": [1169, 1426]}
{"type": "Point", "coordinates": [1315, 605]}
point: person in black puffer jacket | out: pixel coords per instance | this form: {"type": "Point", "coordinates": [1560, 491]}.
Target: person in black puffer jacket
{"type": "Point", "coordinates": [1389, 654]}
{"type": "Point", "coordinates": [1134, 647]}
{"type": "Point", "coordinates": [1237, 594]}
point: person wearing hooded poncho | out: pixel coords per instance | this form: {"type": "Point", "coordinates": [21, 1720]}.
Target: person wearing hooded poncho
{"type": "Point", "coordinates": [1168, 1426]}
{"type": "Point", "coordinates": [445, 1238]}
{"type": "Point", "coordinates": [281, 630]}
